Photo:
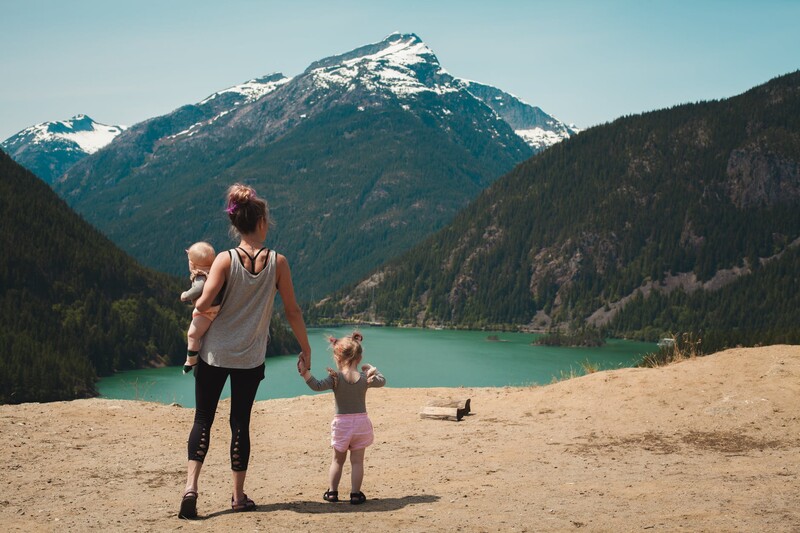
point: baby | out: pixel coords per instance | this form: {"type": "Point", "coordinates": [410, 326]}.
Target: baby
{"type": "Point", "coordinates": [201, 255]}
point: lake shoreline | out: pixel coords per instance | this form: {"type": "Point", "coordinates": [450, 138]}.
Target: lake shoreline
{"type": "Point", "coordinates": [449, 358]}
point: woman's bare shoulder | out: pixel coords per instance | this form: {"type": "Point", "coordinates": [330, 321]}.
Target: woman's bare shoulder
{"type": "Point", "coordinates": [223, 258]}
{"type": "Point", "coordinates": [281, 260]}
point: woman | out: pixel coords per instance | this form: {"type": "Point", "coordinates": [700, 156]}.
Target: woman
{"type": "Point", "coordinates": [236, 342]}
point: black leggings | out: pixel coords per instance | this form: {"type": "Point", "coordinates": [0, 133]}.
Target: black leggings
{"type": "Point", "coordinates": [209, 381]}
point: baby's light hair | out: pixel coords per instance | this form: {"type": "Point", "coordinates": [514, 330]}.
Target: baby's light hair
{"type": "Point", "coordinates": [347, 349]}
{"type": "Point", "coordinates": [201, 254]}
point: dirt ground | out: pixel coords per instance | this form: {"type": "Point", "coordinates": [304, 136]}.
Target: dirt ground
{"type": "Point", "coordinates": [708, 444]}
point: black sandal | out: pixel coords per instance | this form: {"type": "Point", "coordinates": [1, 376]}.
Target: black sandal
{"type": "Point", "coordinates": [245, 504]}
{"type": "Point", "coordinates": [331, 496]}
{"type": "Point", "coordinates": [357, 498]}
{"type": "Point", "coordinates": [188, 506]}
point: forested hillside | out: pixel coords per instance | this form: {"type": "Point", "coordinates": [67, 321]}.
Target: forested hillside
{"type": "Point", "coordinates": [759, 309]}
{"type": "Point", "coordinates": [700, 193]}
{"type": "Point", "coordinates": [73, 306]}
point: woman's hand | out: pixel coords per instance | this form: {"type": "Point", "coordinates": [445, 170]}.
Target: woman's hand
{"type": "Point", "coordinates": [306, 359]}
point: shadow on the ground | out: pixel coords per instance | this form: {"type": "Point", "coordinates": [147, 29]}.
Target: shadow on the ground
{"type": "Point", "coordinates": [373, 505]}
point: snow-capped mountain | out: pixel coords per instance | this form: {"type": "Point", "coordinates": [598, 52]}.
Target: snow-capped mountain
{"type": "Point", "coordinates": [403, 66]}
{"type": "Point", "coordinates": [361, 155]}
{"type": "Point", "coordinates": [407, 66]}
{"type": "Point", "coordinates": [49, 148]}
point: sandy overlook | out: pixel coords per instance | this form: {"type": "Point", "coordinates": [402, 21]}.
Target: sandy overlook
{"type": "Point", "coordinates": [708, 444]}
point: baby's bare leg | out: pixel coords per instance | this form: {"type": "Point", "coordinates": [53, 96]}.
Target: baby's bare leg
{"type": "Point", "coordinates": [197, 329]}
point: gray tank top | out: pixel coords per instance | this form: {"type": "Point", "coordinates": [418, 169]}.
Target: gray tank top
{"type": "Point", "coordinates": [238, 336]}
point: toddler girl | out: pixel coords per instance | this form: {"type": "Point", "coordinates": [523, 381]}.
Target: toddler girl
{"type": "Point", "coordinates": [351, 428]}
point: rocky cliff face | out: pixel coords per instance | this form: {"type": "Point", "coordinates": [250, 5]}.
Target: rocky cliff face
{"type": "Point", "coordinates": [759, 178]}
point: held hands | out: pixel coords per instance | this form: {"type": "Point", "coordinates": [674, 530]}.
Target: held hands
{"type": "Point", "coordinates": [303, 363]}
{"type": "Point", "coordinates": [305, 360]}
{"type": "Point", "coordinates": [303, 369]}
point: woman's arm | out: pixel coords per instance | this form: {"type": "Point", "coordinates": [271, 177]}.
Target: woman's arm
{"type": "Point", "coordinates": [294, 315]}
{"type": "Point", "coordinates": [216, 279]}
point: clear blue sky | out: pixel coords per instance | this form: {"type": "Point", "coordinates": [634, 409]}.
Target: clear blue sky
{"type": "Point", "coordinates": [583, 61]}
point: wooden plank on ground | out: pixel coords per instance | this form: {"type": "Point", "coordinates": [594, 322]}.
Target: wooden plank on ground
{"type": "Point", "coordinates": [441, 413]}
{"type": "Point", "coordinates": [463, 404]}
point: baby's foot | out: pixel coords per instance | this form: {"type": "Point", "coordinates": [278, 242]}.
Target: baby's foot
{"type": "Point", "coordinates": [190, 363]}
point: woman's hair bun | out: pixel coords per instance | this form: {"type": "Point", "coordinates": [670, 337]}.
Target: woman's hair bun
{"type": "Point", "coordinates": [245, 209]}
{"type": "Point", "coordinates": [356, 336]}
{"type": "Point", "coordinates": [241, 194]}
{"type": "Point", "coordinates": [238, 196]}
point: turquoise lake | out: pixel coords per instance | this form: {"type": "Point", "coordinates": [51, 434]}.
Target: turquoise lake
{"type": "Point", "coordinates": [408, 358]}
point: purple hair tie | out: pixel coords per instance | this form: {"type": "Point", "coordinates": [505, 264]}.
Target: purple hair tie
{"type": "Point", "coordinates": [232, 207]}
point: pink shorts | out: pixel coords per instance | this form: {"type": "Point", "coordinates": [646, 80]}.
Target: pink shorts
{"type": "Point", "coordinates": [351, 432]}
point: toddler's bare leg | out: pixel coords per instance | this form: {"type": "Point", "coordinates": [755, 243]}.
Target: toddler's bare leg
{"type": "Point", "coordinates": [337, 464]}
{"type": "Point", "coordinates": [357, 466]}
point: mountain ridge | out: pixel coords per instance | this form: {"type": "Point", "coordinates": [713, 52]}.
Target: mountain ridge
{"type": "Point", "coordinates": [386, 152]}
{"type": "Point", "coordinates": [697, 188]}
{"type": "Point", "coordinates": [49, 161]}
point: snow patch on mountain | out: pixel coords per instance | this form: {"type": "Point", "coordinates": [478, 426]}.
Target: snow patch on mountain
{"type": "Point", "coordinates": [540, 138]}
{"type": "Point", "coordinates": [394, 64]}
{"type": "Point", "coordinates": [92, 141]}
{"type": "Point", "coordinates": [228, 99]}
{"type": "Point", "coordinates": [81, 133]}
{"type": "Point", "coordinates": [253, 89]}
{"type": "Point", "coordinates": [194, 128]}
